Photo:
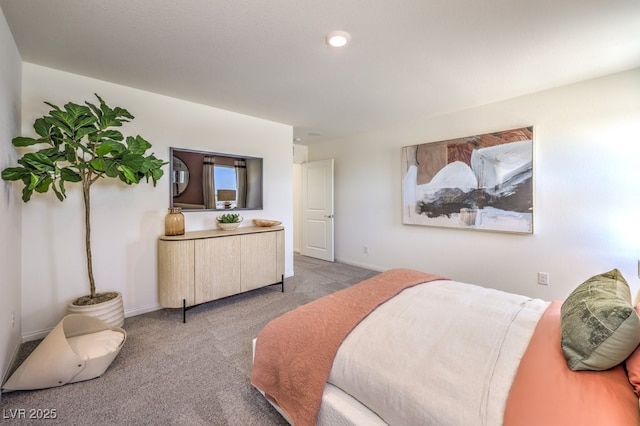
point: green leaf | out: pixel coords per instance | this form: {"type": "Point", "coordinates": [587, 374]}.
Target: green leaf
{"type": "Point", "coordinates": [98, 164]}
{"type": "Point", "coordinates": [110, 147]}
{"type": "Point", "coordinates": [22, 141]}
{"type": "Point", "coordinates": [110, 168]}
{"type": "Point", "coordinates": [86, 131]}
{"type": "Point", "coordinates": [157, 163]}
{"type": "Point", "coordinates": [135, 162]}
{"type": "Point", "coordinates": [86, 120]}
{"type": "Point", "coordinates": [109, 120]}
{"type": "Point", "coordinates": [59, 123]}
{"type": "Point", "coordinates": [229, 218]}
{"type": "Point", "coordinates": [70, 154]}
{"type": "Point", "coordinates": [77, 115]}
{"type": "Point", "coordinates": [129, 176]}
{"type": "Point", "coordinates": [63, 119]}
{"type": "Point", "coordinates": [156, 175]}
{"type": "Point", "coordinates": [109, 134]}
{"type": "Point", "coordinates": [33, 181]}
{"type": "Point", "coordinates": [112, 117]}
{"type": "Point", "coordinates": [37, 161]}
{"type": "Point", "coordinates": [41, 127]}
{"type": "Point", "coordinates": [43, 185]}
{"type": "Point", "coordinates": [60, 195]}
{"type": "Point", "coordinates": [69, 175]}
{"type": "Point", "coordinates": [15, 173]}
{"type": "Point", "coordinates": [151, 163]}
{"type": "Point", "coordinates": [138, 145]}
{"type": "Point", "coordinates": [26, 194]}
{"type": "Point", "coordinates": [56, 107]}
{"type": "Point", "coordinates": [51, 153]}
{"type": "Point", "coordinates": [96, 111]}
{"type": "Point", "coordinates": [123, 114]}
{"type": "Point", "coordinates": [56, 136]}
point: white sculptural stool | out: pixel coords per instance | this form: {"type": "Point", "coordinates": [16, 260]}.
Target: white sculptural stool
{"type": "Point", "coordinates": [79, 348]}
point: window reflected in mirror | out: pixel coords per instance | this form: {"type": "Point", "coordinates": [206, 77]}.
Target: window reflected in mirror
{"type": "Point", "coordinates": [215, 181]}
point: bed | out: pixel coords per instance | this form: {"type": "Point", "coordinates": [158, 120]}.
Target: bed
{"type": "Point", "coordinates": [410, 348]}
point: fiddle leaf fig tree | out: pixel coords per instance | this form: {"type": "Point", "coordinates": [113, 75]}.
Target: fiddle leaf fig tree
{"type": "Point", "coordinates": [82, 144]}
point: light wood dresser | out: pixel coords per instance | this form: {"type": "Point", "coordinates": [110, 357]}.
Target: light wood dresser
{"type": "Point", "coordinates": [202, 266]}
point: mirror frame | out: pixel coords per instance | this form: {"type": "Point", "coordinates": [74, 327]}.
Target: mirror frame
{"type": "Point", "coordinates": [193, 191]}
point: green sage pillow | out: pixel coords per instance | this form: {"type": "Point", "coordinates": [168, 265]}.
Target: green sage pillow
{"type": "Point", "coordinates": [600, 328]}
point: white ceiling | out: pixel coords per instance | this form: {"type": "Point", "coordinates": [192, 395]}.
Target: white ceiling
{"type": "Point", "coordinates": [267, 58]}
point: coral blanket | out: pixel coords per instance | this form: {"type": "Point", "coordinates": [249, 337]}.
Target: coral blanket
{"type": "Point", "coordinates": [546, 392]}
{"type": "Point", "coordinates": [281, 367]}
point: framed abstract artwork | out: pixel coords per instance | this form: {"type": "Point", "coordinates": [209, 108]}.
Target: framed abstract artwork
{"type": "Point", "coordinates": [481, 182]}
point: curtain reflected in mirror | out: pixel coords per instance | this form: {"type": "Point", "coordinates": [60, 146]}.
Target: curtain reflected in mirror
{"type": "Point", "coordinates": [241, 183]}
{"type": "Point", "coordinates": [208, 182]}
{"type": "Point", "coordinates": [215, 181]}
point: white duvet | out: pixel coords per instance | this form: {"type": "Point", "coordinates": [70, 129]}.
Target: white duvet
{"type": "Point", "coordinates": [441, 353]}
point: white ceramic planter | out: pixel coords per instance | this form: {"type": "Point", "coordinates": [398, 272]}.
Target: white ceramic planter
{"type": "Point", "coordinates": [228, 226]}
{"type": "Point", "coordinates": [111, 312]}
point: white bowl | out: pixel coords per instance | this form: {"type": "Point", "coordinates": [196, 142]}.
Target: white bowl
{"type": "Point", "coordinates": [228, 226]}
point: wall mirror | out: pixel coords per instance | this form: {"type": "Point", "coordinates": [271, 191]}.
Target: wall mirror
{"type": "Point", "coordinates": [202, 180]}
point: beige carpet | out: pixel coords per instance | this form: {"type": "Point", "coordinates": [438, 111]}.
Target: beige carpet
{"type": "Point", "coordinates": [170, 373]}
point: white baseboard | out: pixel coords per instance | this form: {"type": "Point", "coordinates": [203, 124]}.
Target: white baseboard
{"type": "Point", "coordinates": [35, 335]}
{"type": "Point", "coordinates": [141, 310]}
{"type": "Point", "coordinates": [361, 265]}
{"type": "Point", "coordinates": [41, 334]}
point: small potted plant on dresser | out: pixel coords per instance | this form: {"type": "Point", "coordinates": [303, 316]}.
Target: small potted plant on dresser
{"type": "Point", "coordinates": [229, 221]}
{"type": "Point", "coordinates": [81, 145]}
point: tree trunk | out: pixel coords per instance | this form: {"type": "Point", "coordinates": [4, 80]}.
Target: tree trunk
{"type": "Point", "coordinates": [86, 193]}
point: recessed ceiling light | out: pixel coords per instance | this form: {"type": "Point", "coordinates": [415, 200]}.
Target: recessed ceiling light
{"type": "Point", "coordinates": [338, 38]}
{"type": "Point", "coordinates": [314, 134]}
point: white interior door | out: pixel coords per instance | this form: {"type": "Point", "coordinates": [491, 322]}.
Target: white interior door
{"type": "Point", "coordinates": [317, 210]}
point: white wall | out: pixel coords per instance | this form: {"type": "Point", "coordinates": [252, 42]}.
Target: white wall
{"type": "Point", "coordinates": [586, 177]}
{"type": "Point", "coordinates": [126, 221]}
{"type": "Point", "coordinates": [10, 202]}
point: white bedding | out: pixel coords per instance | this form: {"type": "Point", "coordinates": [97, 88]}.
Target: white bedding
{"type": "Point", "coordinates": [431, 376]}
{"type": "Point", "coordinates": [341, 409]}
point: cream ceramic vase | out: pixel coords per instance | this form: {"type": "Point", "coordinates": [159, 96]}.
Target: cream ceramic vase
{"type": "Point", "coordinates": [111, 312]}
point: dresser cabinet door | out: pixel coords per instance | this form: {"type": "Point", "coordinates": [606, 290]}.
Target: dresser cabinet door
{"type": "Point", "coordinates": [259, 260]}
{"type": "Point", "coordinates": [175, 273]}
{"type": "Point", "coordinates": [217, 271]}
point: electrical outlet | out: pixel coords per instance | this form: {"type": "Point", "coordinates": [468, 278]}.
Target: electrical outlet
{"type": "Point", "coordinates": [13, 319]}
{"type": "Point", "coordinates": [365, 249]}
{"type": "Point", "coordinates": [543, 278]}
